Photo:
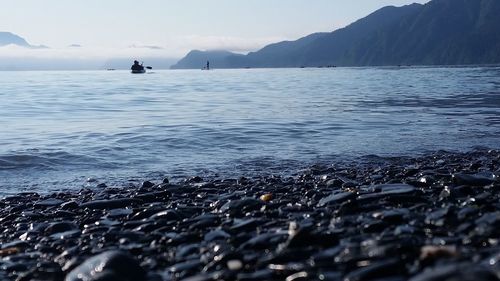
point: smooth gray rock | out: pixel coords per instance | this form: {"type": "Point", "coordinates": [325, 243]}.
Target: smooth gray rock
{"type": "Point", "coordinates": [110, 204]}
{"type": "Point", "coordinates": [111, 265]}
{"type": "Point", "coordinates": [336, 198]}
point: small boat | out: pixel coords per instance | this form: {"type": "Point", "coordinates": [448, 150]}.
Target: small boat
{"type": "Point", "coordinates": [141, 71]}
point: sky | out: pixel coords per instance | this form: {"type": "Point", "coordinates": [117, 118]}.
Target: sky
{"type": "Point", "coordinates": [171, 28]}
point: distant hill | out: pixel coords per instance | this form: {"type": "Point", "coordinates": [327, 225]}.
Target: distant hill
{"type": "Point", "coordinates": [198, 59]}
{"type": "Point", "coordinates": [275, 55]}
{"type": "Point", "coordinates": [441, 32]}
{"type": "Point", "coordinates": [7, 38]}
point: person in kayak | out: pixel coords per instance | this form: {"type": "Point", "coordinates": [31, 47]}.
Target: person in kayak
{"type": "Point", "coordinates": [137, 66]}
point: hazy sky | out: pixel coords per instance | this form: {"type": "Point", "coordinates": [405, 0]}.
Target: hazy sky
{"type": "Point", "coordinates": [180, 25]}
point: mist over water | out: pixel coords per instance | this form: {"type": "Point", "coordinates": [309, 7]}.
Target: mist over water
{"type": "Point", "coordinates": [57, 129]}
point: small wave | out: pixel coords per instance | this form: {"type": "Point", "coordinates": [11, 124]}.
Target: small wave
{"type": "Point", "coordinates": [42, 160]}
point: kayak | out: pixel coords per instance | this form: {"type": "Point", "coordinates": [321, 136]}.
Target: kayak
{"type": "Point", "coordinates": [138, 71]}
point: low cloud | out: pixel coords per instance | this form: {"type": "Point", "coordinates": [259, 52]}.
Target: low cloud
{"type": "Point", "coordinates": [173, 47]}
{"type": "Point", "coordinates": [233, 44]}
{"type": "Point", "coordinates": [14, 51]}
{"type": "Point", "coordinates": [151, 47]}
{"type": "Point", "coordinates": [76, 56]}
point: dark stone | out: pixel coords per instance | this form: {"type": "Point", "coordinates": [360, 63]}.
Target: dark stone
{"type": "Point", "coordinates": [119, 213]}
{"type": "Point", "coordinates": [241, 206]}
{"type": "Point", "coordinates": [493, 263]}
{"type": "Point", "coordinates": [404, 230]}
{"type": "Point", "coordinates": [264, 274]}
{"type": "Point", "coordinates": [169, 215]}
{"type": "Point", "coordinates": [334, 183]}
{"type": "Point", "coordinates": [467, 212]}
{"type": "Point", "coordinates": [146, 213]}
{"type": "Point", "coordinates": [456, 272]}
{"type": "Point", "coordinates": [206, 277]}
{"type": "Point", "coordinates": [191, 265]}
{"type": "Point", "coordinates": [16, 267]}
{"type": "Point", "coordinates": [264, 241]}
{"type": "Point", "coordinates": [216, 235]}
{"type": "Point", "coordinates": [50, 202]}
{"type": "Point", "coordinates": [426, 181]}
{"type": "Point", "coordinates": [112, 265]}
{"type": "Point", "coordinates": [388, 190]}
{"type": "Point", "coordinates": [110, 204]}
{"type": "Point", "coordinates": [70, 205]}
{"type": "Point", "coordinates": [393, 216]}
{"type": "Point", "coordinates": [492, 219]}
{"type": "Point", "coordinates": [147, 184]}
{"type": "Point", "coordinates": [327, 255]}
{"type": "Point", "coordinates": [155, 196]}
{"type": "Point", "coordinates": [194, 180]}
{"type": "Point", "coordinates": [70, 234]}
{"type": "Point", "coordinates": [336, 198]}
{"type": "Point", "coordinates": [60, 227]}
{"type": "Point", "coordinates": [437, 217]}
{"type": "Point", "coordinates": [15, 244]}
{"type": "Point", "coordinates": [106, 275]}
{"type": "Point", "coordinates": [245, 225]}
{"type": "Point", "coordinates": [332, 276]}
{"type": "Point", "coordinates": [381, 269]}
{"type": "Point", "coordinates": [473, 180]}
{"type": "Point", "coordinates": [299, 276]}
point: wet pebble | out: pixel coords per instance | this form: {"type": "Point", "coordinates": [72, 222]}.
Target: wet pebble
{"type": "Point", "coordinates": [435, 217]}
{"type": "Point", "coordinates": [112, 265]}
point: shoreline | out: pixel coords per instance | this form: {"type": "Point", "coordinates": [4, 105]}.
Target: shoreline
{"type": "Point", "coordinates": [403, 66]}
{"type": "Point", "coordinates": [434, 217]}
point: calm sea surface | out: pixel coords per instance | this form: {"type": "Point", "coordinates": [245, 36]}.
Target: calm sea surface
{"type": "Point", "coordinates": [58, 129]}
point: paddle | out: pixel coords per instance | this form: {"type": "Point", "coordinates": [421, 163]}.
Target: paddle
{"type": "Point", "coordinates": [147, 67]}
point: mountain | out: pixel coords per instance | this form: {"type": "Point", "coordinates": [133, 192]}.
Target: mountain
{"type": "Point", "coordinates": [275, 55]}
{"type": "Point", "coordinates": [441, 32]}
{"type": "Point", "coordinates": [198, 59]}
{"type": "Point", "coordinates": [7, 38]}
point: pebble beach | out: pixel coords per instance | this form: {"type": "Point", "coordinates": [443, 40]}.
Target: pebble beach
{"type": "Point", "coordinates": [427, 218]}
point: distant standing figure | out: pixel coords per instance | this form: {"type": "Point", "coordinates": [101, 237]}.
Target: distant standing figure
{"type": "Point", "coordinates": [208, 65]}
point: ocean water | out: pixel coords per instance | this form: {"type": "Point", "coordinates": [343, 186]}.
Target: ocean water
{"type": "Point", "coordinates": [68, 130]}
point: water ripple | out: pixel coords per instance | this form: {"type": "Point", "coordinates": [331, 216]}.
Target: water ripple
{"type": "Point", "coordinates": [58, 128]}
